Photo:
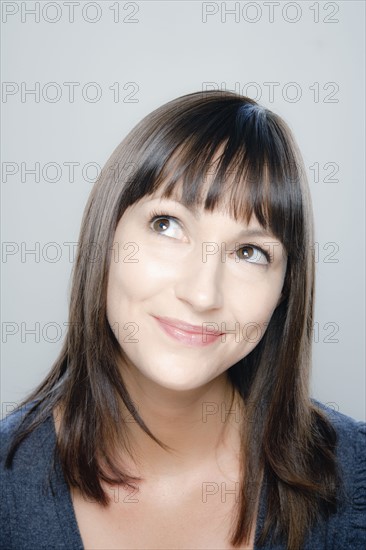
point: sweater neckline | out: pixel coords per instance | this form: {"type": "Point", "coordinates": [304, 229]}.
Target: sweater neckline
{"type": "Point", "coordinates": [65, 507]}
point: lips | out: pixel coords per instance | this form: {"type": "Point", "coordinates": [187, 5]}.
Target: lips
{"type": "Point", "coordinates": [187, 334]}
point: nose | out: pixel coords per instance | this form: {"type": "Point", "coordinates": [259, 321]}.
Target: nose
{"type": "Point", "coordinates": [200, 281]}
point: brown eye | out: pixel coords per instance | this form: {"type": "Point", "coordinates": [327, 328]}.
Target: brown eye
{"type": "Point", "coordinates": [253, 254]}
{"type": "Point", "coordinates": [166, 226]}
{"type": "Point", "coordinates": [246, 252]}
{"type": "Point", "coordinates": [160, 224]}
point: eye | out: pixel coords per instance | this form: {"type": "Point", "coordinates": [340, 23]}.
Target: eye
{"type": "Point", "coordinates": [165, 225]}
{"type": "Point", "coordinates": [253, 254]}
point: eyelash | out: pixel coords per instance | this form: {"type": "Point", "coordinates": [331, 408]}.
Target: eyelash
{"type": "Point", "coordinates": [160, 214]}
{"type": "Point", "coordinates": [155, 214]}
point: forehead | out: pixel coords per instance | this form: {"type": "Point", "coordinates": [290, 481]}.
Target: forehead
{"type": "Point", "coordinates": [196, 208]}
{"type": "Point", "coordinates": [193, 191]}
{"type": "Point", "coordinates": [237, 179]}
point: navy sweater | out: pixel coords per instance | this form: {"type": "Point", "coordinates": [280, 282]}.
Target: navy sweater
{"type": "Point", "coordinates": [39, 515]}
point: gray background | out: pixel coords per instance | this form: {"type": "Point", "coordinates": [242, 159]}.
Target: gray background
{"type": "Point", "coordinates": [313, 52]}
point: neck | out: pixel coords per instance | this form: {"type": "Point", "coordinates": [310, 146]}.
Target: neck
{"type": "Point", "coordinates": [197, 425]}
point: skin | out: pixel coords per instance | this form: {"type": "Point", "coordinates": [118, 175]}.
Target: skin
{"type": "Point", "coordinates": [187, 495]}
{"type": "Point", "coordinates": [182, 391]}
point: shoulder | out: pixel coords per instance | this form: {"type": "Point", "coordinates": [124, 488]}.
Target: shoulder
{"type": "Point", "coordinates": [350, 522]}
{"type": "Point", "coordinates": [33, 452]}
{"type": "Point", "coordinates": [351, 433]}
{"type": "Point", "coordinates": [351, 445]}
{"type": "Point", "coordinates": [9, 427]}
{"type": "Point", "coordinates": [33, 456]}
{"type": "Point", "coordinates": [9, 423]}
{"type": "Point", "coordinates": [28, 514]}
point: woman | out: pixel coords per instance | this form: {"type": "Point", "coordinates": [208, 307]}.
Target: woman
{"type": "Point", "coordinates": [180, 400]}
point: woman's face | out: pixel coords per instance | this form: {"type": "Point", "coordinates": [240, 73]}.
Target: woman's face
{"type": "Point", "coordinates": [190, 294]}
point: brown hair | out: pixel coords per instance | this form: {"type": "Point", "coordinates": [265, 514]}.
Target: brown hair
{"type": "Point", "coordinates": [290, 440]}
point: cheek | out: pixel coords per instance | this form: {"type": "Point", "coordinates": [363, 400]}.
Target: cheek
{"type": "Point", "coordinates": [134, 280]}
{"type": "Point", "coordinates": [254, 307]}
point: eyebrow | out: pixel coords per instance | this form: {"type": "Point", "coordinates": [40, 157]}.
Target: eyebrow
{"type": "Point", "coordinates": [256, 233]}
{"type": "Point", "coordinates": [193, 209]}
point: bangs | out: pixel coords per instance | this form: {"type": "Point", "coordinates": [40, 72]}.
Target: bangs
{"type": "Point", "coordinates": [237, 158]}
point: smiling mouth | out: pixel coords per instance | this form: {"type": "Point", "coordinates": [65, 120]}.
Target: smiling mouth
{"type": "Point", "coordinates": [185, 333]}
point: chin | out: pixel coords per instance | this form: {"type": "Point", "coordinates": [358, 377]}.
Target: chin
{"type": "Point", "coordinates": [178, 379]}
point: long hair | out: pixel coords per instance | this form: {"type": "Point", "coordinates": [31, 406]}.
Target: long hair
{"type": "Point", "coordinates": [287, 443]}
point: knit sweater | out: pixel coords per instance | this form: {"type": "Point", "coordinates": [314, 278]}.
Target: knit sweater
{"type": "Point", "coordinates": [39, 515]}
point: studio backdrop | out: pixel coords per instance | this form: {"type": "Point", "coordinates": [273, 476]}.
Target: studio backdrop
{"type": "Point", "coordinates": [77, 76]}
